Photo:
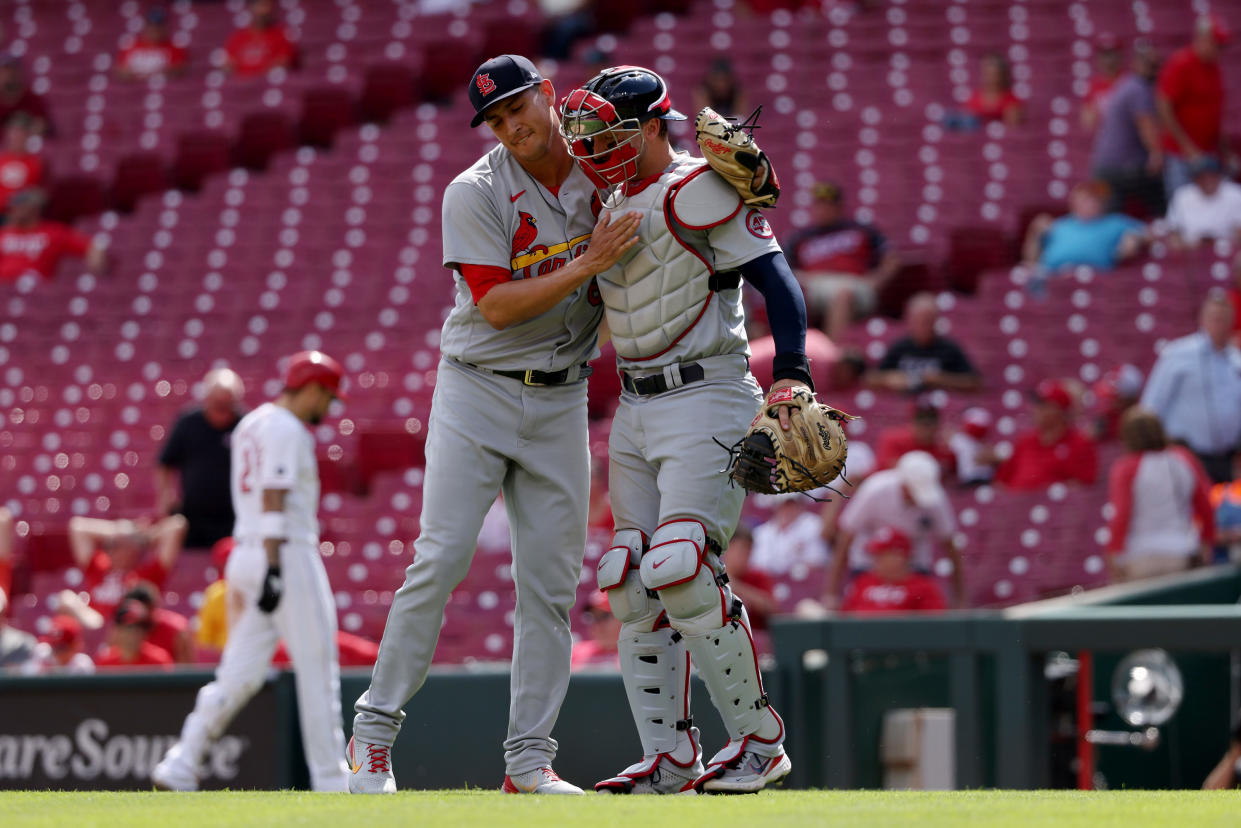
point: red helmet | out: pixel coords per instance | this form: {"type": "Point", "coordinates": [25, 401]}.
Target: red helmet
{"type": "Point", "coordinates": [314, 366]}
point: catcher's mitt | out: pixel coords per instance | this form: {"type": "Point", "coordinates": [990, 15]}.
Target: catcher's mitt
{"type": "Point", "coordinates": [731, 151]}
{"type": "Point", "coordinates": [808, 456]}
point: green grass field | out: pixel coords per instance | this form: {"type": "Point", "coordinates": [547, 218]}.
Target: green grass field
{"type": "Point", "coordinates": [1062, 809]}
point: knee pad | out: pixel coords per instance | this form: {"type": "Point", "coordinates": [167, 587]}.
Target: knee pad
{"type": "Point", "coordinates": [682, 570]}
{"type": "Point", "coordinates": [618, 577]}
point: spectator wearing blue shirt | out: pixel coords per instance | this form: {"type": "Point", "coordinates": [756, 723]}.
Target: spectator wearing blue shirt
{"type": "Point", "coordinates": [1195, 389]}
{"type": "Point", "coordinates": [1086, 236]}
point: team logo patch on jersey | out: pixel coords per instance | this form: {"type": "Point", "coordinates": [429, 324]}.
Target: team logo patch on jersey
{"type": "Point", "coordinates": [527, 232]}
{"type": "Point", "coordinates": [485, 84]}
{"type": "Point", "coordinates": [757, 224]}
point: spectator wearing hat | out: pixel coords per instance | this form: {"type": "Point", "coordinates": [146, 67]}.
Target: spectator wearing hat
{"type": "Point", "coordinates": [1128, 151]}
{"type": "Point", "coordinates": [909, 498]}
{"type": "Point", "coordinates": [17, 96]}
{"type": "Point", "coordinates": [1053, 450]}
{"type": "Point", "coordinates": [1208, 207]}
{"type": "Point", "coordinates": [923, 359]}
{"type": "Point", "coordinates": [974, 456]}
{"type": "Point", "coordinates": [1116, 392]}
{"type": "Point", "coordinates": [60, 651]}
{"type": "Point", "coordinates": [791, 539]}
{"type": "Point", "coordinates": [1109, 59]}
{"type": "Point", "coordinates": [1086, 236]}
{"type": "Point", "coordinates": [1162, 520]}
{"type": "Point", "coordinates": [841, 263]}
{"type": "Point", "coordinates": [151, 52]}
{"type": "Point", "coordinates": [192, 478]}
{"type": "Point", "coordinates": [921, 433]}
{"type": "Point", "coordinates": [114, 556]}
{"type": "Point", "coordinates": [31, 244]}
{"type": "Point", "coordinates": [130, 647]}
{"type": "Point", "coordinates": [170, 630]}
{"type": "Point", "coordinates": [721, 90]}
{"type": "Point", "coordinates": [891, 585]}
{"type": "Point", "coordinates": [1190, 102]}
{"type": "Point", "coordinates": [20, 169]}
{"type": "Point", "coordinates": [260, 46]}
{"type": "Point", "coordinates": [1195, 388]}
{"type": "Point", "coordinates": [599, 648]}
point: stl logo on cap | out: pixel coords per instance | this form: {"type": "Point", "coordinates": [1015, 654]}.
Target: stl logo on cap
{"type": "Point", "coordinates": [485, 84]}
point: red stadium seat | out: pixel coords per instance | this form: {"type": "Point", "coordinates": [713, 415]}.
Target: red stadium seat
{"type": "Point", "coordinates": [199, 154]}
{"type": "Point", "coordinates": [137, 175]}
{"type": "Point", "coordinates": [325, 110]}
{"type": "Point", "coordinates": [387, 88]}
{"type": "Point", "coordinates": [263, 134]}
{"type": "Point", "coordinates": [74, 197]}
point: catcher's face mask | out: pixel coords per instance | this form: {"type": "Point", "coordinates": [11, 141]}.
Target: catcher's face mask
{"type": "Point", "coordinates": [606, 146]}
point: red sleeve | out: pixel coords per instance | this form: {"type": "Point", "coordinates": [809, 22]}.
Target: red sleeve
{"type": "Point", "coordinates": [853, 591]}
{"type": "Point", "coordinates": [1171, 79]}
{"type": "Point", "coordinates": [99, 566]}
{"type": "Point", "coordinates": [68, 240]}
{"type": "Point", "coordinates": [355, 651]}
{"type": "Point", "coordinates": [482, 278]}
{"type": "Point", "coordinates": [1011, 101]}
{"type": "Point", "coordinates": [1120, 495]}
{"type": "Point", "coordinates": [152, 570]}
{"type": "Point", "coordinates": [930, 596]}
{"type": "Point", "coordinates": [177, 57]}
{"type": "Point", "coordinates": [1203, 510]}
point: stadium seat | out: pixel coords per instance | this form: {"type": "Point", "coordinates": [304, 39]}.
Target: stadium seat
{"type": "Point", "coordinates": [137, 175]}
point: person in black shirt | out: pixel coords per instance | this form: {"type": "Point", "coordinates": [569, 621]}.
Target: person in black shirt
{"type": "Point", "coordinates": [198, 451]}
{"type": "Point", "coordinates": [922, 359]}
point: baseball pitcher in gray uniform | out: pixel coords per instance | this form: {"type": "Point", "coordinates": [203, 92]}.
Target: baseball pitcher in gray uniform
{"type": "Point", "coordinates": [674, 308]}
{"type": "Point", "coordinates": [508, 415]}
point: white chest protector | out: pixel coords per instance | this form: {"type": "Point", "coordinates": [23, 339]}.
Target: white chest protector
{"type": "Point", "coordinates": [659, 299]}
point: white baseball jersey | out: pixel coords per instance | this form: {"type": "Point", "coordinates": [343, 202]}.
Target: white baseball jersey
{"type": "Point", "coordinates": [273, 449]}
{"type": "Point", "coordinates": [497, 215]}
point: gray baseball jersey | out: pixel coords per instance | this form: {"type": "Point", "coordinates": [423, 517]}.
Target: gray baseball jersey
{"type": "Point", "coordinates": [496, 215]}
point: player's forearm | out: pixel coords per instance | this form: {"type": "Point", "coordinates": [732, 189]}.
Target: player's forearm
{"type": "Point", "coordinates": [786, 312]}
{"type": "Point", "coordinates": [273, 531]}
{"type": "Point", "coordinates": [510, 303]}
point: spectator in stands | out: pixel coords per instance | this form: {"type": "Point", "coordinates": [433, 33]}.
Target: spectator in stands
{"type": "Point", "coordinates": [17, 96]}
{"type": "Point", "coordinates": [16, 646]}
{"type": "Point", "coordinates": [130, 647]}
{"type": "Point", "coordinates": [1109, 60]}
{"type": "Point", "coordinates": [30, 244]}
{"type": "Point", "coordinates": [969, 447]}
{"type": "Point", "coordinates": [1115, 393]}
{"type": "Point", "coordinates": [220, 607]}
{"type": "Point", "coordinates": [1086, 236]}
{"type": "Point", "coordinates": [830, 367]}
{"type": "Point", "coordinates": [60, 651]}
{"type": "Point", "coordinates": [1234, 298]}
{"type": "Point", "coordinates": [1190, 102]}
{"type": "Point", "coordinates": [721, 90]}
{"type": "Point", "coordinates": [567, 22]}
{"type": "Point", "coordinates": [197, 456]}
{"type": "Point", "coordinates": [170, 631]}
{"type": "Point", "coordinates": [754, 587]}
{"type": "Point", "coordinates": [6, 551]}
{"type": "Point", "coordinates": [921, 433]}
{"type": "Point", "coordinates": [1162, 519]}
{"type": "Point", "coordinates": [1195, 388]}
{"type": "Point", "coordinates": [909, 498]}
{"type": "Point", "coordinates": [1226, 505]}
{"type": "Point", "coordinates": [152, 51]}
{"type": "Point", "coordinates": [261, 46]}
{"type": "Point", "coordinates": [117, 555]}
{"type": "Point", "coordinates": [891, 585]}
{"type": "Point", "coordinates": [1053, 450]}
{"type": "Point", "coordinates": [923, 359]}
{"type": "Point", "coordinates": [1208, 207]}
{"type": "Point", "coordinates": [994, 99]}
{"type": "Point", "coordinates": [1128, 152]}
{"type": "Point", "coordinates": [20, 169]}
{"type": "Point", "coordinates": [599, 649]}
{"type": "Point", "coordinates": [791, 539]}
{"type": "Point", "coordinates": [841, 263]}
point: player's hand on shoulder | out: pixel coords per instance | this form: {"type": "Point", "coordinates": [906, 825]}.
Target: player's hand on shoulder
{"type": "Point", "coordinates": [611, 239]}
{"type": "Point", "coordinates": [273, 588]}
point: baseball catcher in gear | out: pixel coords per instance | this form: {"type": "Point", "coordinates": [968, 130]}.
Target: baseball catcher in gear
{"type": "Point", "coordinates": [809, 455]}
{"type": "Point", "coordinates": [731, 151]}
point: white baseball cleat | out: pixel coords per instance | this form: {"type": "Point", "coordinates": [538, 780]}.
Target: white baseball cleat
{"type": "Point", "coordinates": [748, 773]}
{"type": "Point", "coordinates": [538, 781]}
{"type": "Point", "coordinates": [655, 775]}
{"type": "Point", "coordinates": [173, 773]}
{"type": "Point", "coordinates": [370, 769]}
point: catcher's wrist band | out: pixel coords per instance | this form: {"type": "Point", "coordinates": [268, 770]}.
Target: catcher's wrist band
{"type": "Point", "coordinates": [273, 526]}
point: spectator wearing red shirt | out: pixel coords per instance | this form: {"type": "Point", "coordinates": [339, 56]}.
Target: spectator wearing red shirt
{"type": "Point", "coordinates": [17, 96]}
{"type": "Point", "coordinates": [1109, 65]}
{"type": "Point", "coordinates": [130, 647]}
{"type": "Point", "coordinates": [1189, 98]}
{"type": "Point", "coordinates": [170, 630]}
{"type": "Point", "coordinates": [891, 585]}
{"type": "Point", "coordinates": [994, 99]}
{"type": "Point", "coordinates": [29, 244]}
{"type": "Point", "coordinates": [1054, 450]}
{"type": "Point", "coordinates": [599, 648]}
{"type": "Point", "coordinates": [842, 264]}
{"type": "Point", "coordinates": [152, 51]}
{"type": "Point", "coordinates": [755, 588]}
{"type": "Point", "coordinates": [116, 555]}
{"type": "Point", "coordinates": [20, 168]}
{"type": "Point", "coordinates": [260, 47]}
{"type": "Point", "coordinates": [921, 433]}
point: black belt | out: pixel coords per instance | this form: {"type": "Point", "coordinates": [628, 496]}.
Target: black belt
{"type": "Point", "coordinates": [658, 384]}
{"type": "Point", "coordinates": [540, 377]}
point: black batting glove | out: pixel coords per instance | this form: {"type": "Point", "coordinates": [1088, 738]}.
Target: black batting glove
{"type": "Point", "coordinates": [273, 586]}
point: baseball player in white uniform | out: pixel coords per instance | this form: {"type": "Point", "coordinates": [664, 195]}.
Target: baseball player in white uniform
{"type": "Point", "coordinates": [508, 415]}
{"type": "Point", "coordinates": [276, 566]}
{"type": "Point", "coordinates": [674, 308]}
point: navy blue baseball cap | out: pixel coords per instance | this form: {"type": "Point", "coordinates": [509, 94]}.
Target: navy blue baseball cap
{"type": "Point", "coordinates": [500, 78]}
